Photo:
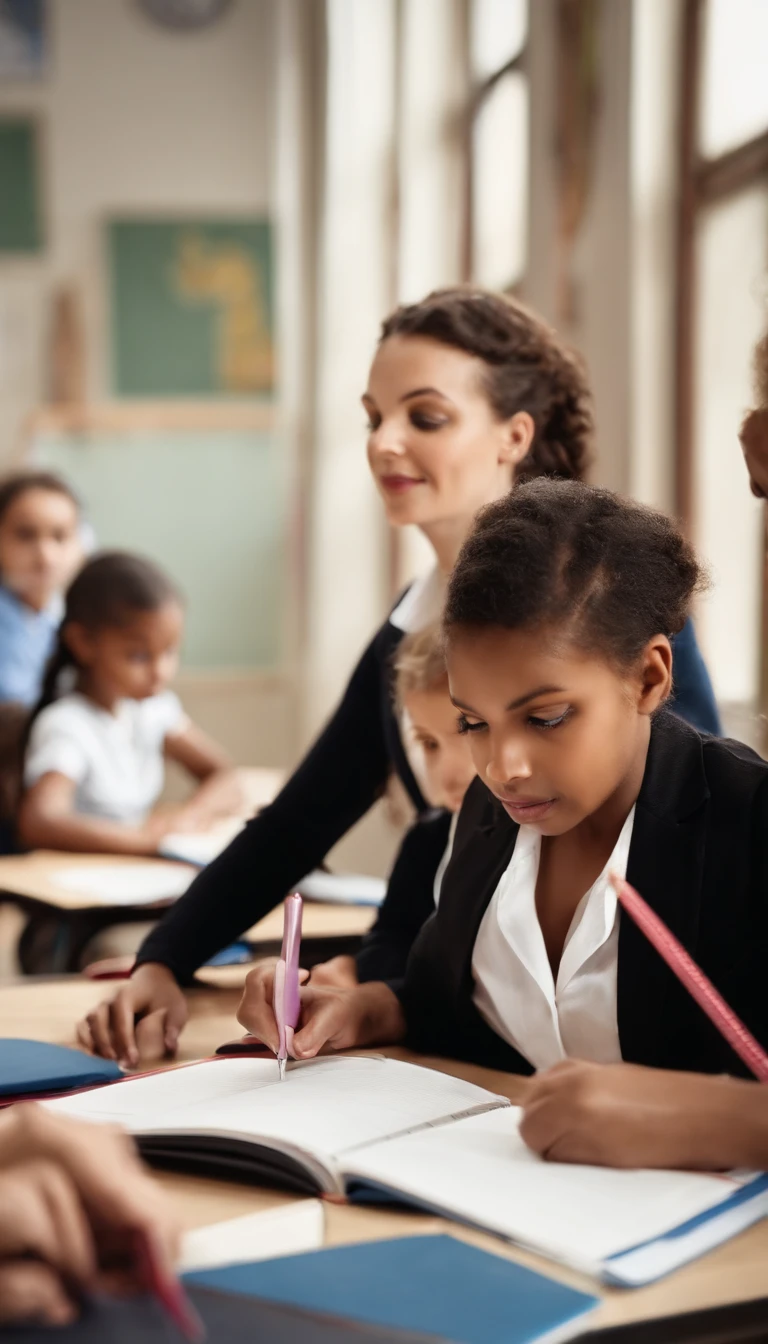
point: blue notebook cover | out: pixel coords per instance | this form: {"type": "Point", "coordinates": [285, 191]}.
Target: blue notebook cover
{"type": "Point", "coordinates": [437, 1285]}
{"type": "Point", "coordinates": [34, 1066]}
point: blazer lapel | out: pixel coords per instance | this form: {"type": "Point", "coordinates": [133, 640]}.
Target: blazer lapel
{"type": "Point", "coordinates": [666, 861]}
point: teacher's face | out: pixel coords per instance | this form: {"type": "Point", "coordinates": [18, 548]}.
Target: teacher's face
{"type": "Point", "coordinates": [437, 451]}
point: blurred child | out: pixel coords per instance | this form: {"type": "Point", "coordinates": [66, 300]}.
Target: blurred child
{"type": "Point", "coordinates": [40, 550]}
{"type": "Point", "coordinates": [421, 689]}
{"type": "Point", "coordinates": [93, 768]}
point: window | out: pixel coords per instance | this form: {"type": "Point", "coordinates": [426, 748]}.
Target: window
{"type": "Point", "coordinates": [496, 223]}
{"type": "Point", "coordinates": [722, 310]}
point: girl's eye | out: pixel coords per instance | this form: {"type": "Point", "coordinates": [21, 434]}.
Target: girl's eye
{"type": "Point", "coordinates": [464, 726]}
{"type": "Point", "coordinates": [420, 420]}
{"type": "Point", "coordinates": [549, 723]}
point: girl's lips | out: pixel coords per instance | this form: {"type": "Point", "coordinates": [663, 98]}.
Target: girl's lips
{"type": "Point", "coordinates": [527, 809]}
{"type": "Point", "coordinates": [399, 484]}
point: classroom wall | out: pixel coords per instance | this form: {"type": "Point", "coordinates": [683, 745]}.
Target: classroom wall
{"type": "Point", "coordinates": [137, 119]}
{"type": "Point", "coordinates": [134, 118]}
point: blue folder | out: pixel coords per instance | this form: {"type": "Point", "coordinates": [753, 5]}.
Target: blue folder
{"type": "Point", "coordinates": [436, 1285]}
{"type": "Point", "coordinates": [34, 1066]}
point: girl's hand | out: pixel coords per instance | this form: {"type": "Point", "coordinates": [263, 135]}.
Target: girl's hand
{"type": "Point", "coordinates": [111, 1028]}
{"type": "Point", "coordinates": [74, 1196]}
{"type": "Point", "coordinates": [331, 1018]}
{"type": "Point", "coordinates": [338, 973]}
{"type": "Point", "coordinates": [621, 1115]}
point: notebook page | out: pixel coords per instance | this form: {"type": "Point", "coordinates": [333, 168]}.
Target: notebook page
{"type": "Point", "coordinates": [480, 1171]}
{"type": "Point", "coordinates": [324, 1106]}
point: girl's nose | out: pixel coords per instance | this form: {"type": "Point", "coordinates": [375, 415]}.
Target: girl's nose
{"type": "Point", "coordinates": [507, 765]}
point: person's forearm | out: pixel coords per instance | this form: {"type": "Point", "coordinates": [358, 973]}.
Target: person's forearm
{"type": "Point", "coordinates": [84, 835]}
{"type": "Point", "coordinates": [381, 1020]}
{"type": "Point", "coordinates": [219, 794]}
{"type": "Point", "coordinates": [741, 1118]}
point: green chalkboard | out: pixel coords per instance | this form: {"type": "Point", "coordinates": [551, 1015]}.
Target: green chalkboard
{"type": "Point", "coordinates": [192, 307]}
{"type": "Point", "coordinates": [210, 506]}
{"type": "Point", "coordinates": [20, 214]}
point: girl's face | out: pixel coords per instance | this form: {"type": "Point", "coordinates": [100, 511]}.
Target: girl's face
{"type": "Point", "coordinates": [555, 733]}
{"type": "Point", "coordinates": [435, 447]}
{"type": "Point", "coordinates": [447, 760]}
{"type": "Point", "coordinates": [40, 547]}
{"type": "Point", "coordinates": [131, 661]}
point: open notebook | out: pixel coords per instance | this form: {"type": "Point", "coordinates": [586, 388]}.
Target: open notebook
{"type": "Point", "coordinates": [370, 1127]}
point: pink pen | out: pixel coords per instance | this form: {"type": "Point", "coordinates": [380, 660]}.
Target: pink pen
{"type": "Point", "coordinates": [286, 1004]}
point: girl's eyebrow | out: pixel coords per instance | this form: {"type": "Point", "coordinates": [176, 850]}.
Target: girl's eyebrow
{"type": "Point", "coordinates": [521, 700]}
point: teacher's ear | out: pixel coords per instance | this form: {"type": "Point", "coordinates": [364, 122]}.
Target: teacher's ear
{"type": "Point", "coordinates": [518, 434]}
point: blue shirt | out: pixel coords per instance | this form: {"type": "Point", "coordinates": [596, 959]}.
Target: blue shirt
{"type": "Point", "coordinates": [27, 639]}
{"type": "Point", "coordinates": [692, 695]}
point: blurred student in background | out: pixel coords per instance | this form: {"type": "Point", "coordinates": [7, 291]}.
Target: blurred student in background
{"type": "Point", "coordinates": [105, 721]}
{"type": "Point", "coordinates": [40, 550]}
{"type": "Point", "coordinates": [431, 723]}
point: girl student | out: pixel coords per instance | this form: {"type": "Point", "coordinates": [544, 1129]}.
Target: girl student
{"type": "Point", "coordinates": [413, 890]}
{"type": "Point", "coordinates": [557, 625]}
{"type": "Point", "coordinates": [93, 767]}
{"type": "Point", "coordinates": [467, 391]}
{"type": "Point", "coordinates": [40, 549]}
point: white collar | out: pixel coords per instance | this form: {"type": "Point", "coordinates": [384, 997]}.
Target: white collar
{"type": "Point", "coordinates": [421, 604]}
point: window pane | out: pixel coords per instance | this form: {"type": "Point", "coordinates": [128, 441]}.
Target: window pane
{"type": "Point", "coordinates": [500, 185]}
{"type": "Point", "coordinates": [734, 104]}
{"type": "Point", "coordinates": [732, 259]}
{"type": "Point", "coordinates": [498, 31]}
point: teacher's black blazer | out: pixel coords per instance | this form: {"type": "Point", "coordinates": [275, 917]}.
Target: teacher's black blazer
{"type": "Point", "coordinates": [699, 856]}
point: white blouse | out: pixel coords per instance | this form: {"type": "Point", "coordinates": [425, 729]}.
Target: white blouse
{"type": "Point", "coordinates": [515, 990]}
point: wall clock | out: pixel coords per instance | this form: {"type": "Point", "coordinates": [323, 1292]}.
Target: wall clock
{"type": "Point", "coordinates": [184, 15]}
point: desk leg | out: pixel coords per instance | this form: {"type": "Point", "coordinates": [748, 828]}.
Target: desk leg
{"type": "Point", "coordinates": [44, 945]}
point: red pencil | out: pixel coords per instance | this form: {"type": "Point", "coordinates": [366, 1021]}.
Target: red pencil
{"type": "Point", "coordinates": [168, 1291]}
{"type": "Point", "coordinates": [690, 975]}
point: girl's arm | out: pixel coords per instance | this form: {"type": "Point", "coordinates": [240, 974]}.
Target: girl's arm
{"type": "Point", "coordinates": [621, 1115]}
{"type": "Point", "coordinates": [47, 820]}
{"type": "Point", "coordinates": [219, 793]}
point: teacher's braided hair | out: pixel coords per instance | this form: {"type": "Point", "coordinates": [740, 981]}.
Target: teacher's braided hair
{"type": "Point", "coordinates": [528, 368]}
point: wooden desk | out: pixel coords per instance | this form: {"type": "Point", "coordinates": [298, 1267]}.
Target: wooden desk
{"type": "Point", "coordinates": [28, 880]}
{"type": "Point", "coordinates": [46, 1010]}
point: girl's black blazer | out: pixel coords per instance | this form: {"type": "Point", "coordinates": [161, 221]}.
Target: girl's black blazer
{"type": "Point", "coordinates": [699, 856]}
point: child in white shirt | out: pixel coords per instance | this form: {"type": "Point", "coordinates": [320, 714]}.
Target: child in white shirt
{"type": "Point", "coordinates": [94, 759]}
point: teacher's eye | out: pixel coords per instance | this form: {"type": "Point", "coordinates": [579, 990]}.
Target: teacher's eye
{"type": "Point", "coordinates": [463, 725]}
{"type": "Point", "coordinates": [539, 721]}
{"type": "Point", "coordinates": [372, 424]}
{"type": "Point", "coordinates": [420, 420]}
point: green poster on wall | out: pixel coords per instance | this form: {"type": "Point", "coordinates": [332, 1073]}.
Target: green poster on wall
{"type": "Point", "coordinates": [20, 214]}
{"type": "Point", "coordinates": [192, 308]}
